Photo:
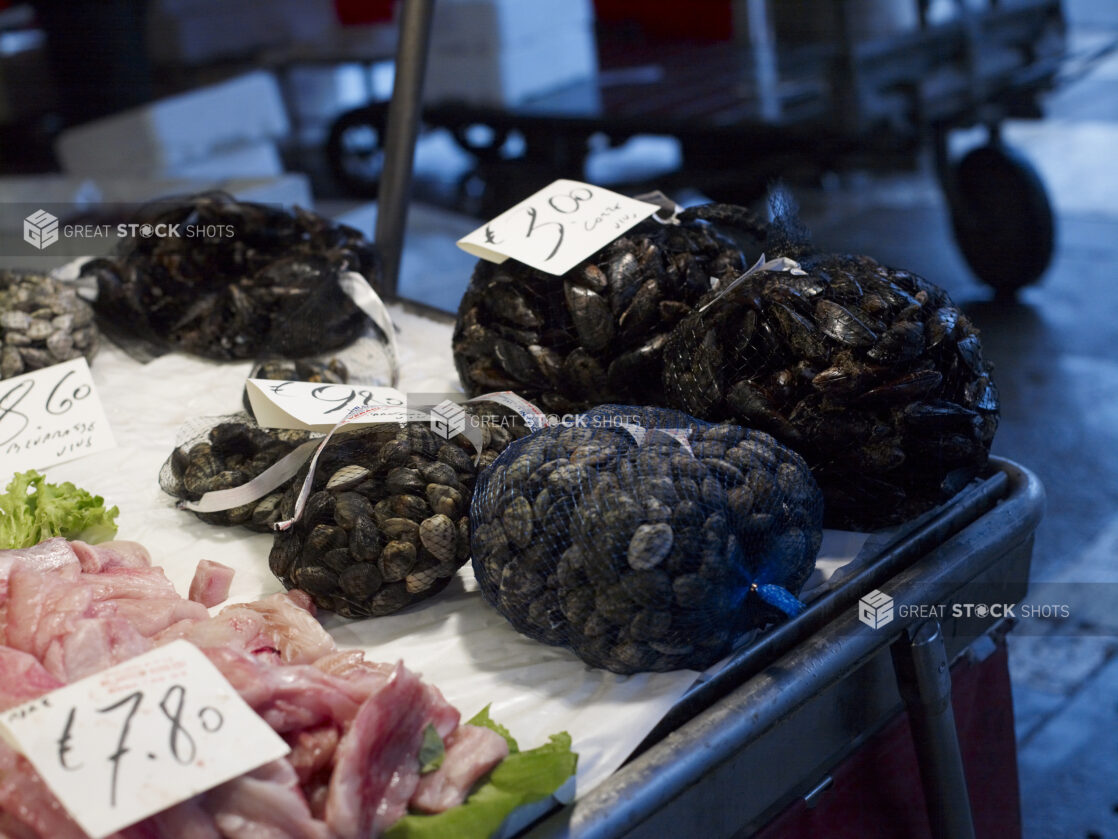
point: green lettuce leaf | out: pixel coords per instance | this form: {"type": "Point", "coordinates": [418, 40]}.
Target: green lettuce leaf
{"type": "Point", "coordinates": [521, 778]}
{"type": "Point", "coordinates": [483, 720]}
{"type": "Point", "coordinates": [432, 752]}
{"type": "Point", "coordinates": [31, 510]}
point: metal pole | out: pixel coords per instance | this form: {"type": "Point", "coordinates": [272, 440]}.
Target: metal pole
{"type": "Point", "coordinates": [924, 680]}
{"type": "Point", "coordinates": [401, 131]}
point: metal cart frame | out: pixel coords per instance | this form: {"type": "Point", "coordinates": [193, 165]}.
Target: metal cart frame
{"type": "Point", "coordinates": [784, 725]}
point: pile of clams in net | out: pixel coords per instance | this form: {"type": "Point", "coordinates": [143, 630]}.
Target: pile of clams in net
{"type": "Point", "coordinates": [871, 373]}
{"type": "Point", "coordinates": [42, 323]}
{"type": "Point", "coordinates": [229, 453]}
{"type": "Point", "coordinates": [263, 282]}
{"type": "Point", "coordinates": [386, 523]}
{"type": "Point", "coordinates": [647, 548]}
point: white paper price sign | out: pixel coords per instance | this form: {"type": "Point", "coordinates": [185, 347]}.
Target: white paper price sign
{"type": "Point", "coordinates": [558, 227]}
{"type": "Point", "coordinates": [137, 738]}
{"type": "Point", "coordinates": [317, 406]}
{"type": "Point", "coordinates": [51, 416]}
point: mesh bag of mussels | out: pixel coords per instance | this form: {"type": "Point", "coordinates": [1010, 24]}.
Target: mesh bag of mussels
{"type": "Point", "coordinates": [596, 333]}
{"type": "Point", "coordinates": [224, 452]}
{"type": "Point", "coordinates": [643, 539]}
{"type": "Point", "coordinates": [385, 524]}
{"type": "Point", "coordinates": [871, 373]}
{"type": "Point", "coordinates": [265, 283]}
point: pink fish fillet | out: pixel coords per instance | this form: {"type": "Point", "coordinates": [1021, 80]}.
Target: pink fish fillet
{"type": "Point", "coordinates": [471, 752]}
{"type": "Point", "coordinates": [266, 803]}
{"type": "Point", "coordinates": [117, 554]}
{"type": "Point", "coordinates": [211, 583]}
{"type": "Point", "coordinates": [376, 764]}
{"type": "Point", "coordinates": [25, 798]}
{"type": "Point", "coordinates": [22, 678]}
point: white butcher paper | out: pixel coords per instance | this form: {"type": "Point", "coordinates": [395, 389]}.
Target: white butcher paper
{"type": "Point", "coordinates": [454, 640]}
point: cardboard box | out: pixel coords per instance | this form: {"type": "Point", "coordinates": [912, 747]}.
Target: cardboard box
{"type": "Point", "coordinates": [165, 137]}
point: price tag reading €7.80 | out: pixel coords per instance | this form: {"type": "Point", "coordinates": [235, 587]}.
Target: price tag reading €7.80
{"type": "Point", "coordinates": [139, 737]}
{"type": "Point", "coordinates": [558, 227]}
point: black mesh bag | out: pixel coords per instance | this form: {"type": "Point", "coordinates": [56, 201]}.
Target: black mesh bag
{"type": "Point", "coordinates": [386, 522]}
{"type": "Point", "coordinates": [263, 282]}
{"type": "Point", "coordinates": [871, 373]}
{"type": "Point", "coordinates": [596, 333]}
{"type": "Point", "coordinates": [644, 539]}
{"type": "Point", "coordinates": [219, 453]}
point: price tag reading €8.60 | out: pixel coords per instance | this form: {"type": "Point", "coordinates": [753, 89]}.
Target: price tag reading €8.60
{"type": "Point", "coordinates": [558, 227]}
{"type": "Point", "coordinates": [139, 737]}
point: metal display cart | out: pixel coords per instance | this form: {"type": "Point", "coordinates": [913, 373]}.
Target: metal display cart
{"type": "Point", "coordinates": [745, 112]}
{"type": "Point", "coordinates": [787, 709]}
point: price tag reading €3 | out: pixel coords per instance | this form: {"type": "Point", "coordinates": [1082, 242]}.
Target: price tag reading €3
{"type": "Point", "coordinates": [130, 741]}
{"type": "Point", "coordinates": [558, 227]}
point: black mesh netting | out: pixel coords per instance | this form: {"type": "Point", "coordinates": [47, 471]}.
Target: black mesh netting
{"type": "Point", "coordinates": [596, 333]}
{"type": "Point", "coordinates": [644, 539]}
{"type": "Point", "coordinates": [219, 453]}
{"type": "Point", "coordinates": [869, 372]}
{"type": "Point", "coordinates": [264, 283]}
{"type": "Point", "coordinates": [386, 523]}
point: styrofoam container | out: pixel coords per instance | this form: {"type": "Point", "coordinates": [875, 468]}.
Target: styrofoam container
{"type": "Point", "coordinates": [194, 32]}
{"type": "Point", "coordinates": [514, 73]}
{"type": "Point", "coordinates": [249, 160]}
{"type": "Point", "coordinates": [160, 138]}
{"type": "Point", "coordinates": [464, 25]}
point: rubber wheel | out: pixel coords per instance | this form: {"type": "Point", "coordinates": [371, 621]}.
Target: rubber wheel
{"type": "Point", "coordinates": [1002, 218]}
{"type": "Point", "coordinates": [355, 150]}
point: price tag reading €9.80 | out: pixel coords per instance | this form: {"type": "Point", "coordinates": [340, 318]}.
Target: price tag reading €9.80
{"type": "Point", "coordinates": [558, 227]}
{"type": "Point", "coordinates": [139, 737]}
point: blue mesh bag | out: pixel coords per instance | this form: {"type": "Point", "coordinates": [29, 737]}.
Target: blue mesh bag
{"type": "Point", "coordinates": [644, 539]}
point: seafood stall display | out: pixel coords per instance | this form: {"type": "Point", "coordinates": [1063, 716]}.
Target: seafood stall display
{"type": "Point", "coordinates": [255, 281]}
{"type": "Point", "coordinates": [42, 322]}
{"type": "Point", "coordinates": [638, 547]}
{"type": "Point", "coordinates": [645, 539]}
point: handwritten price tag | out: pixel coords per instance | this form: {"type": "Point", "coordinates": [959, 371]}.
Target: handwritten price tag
{"type": "Point", "coordinates": [137, 738]}
{"type": "Point", "coordinates": [318, 407]}
{"type": "Point", "coordinates": [51, 416]}
{"type": "Point", "coordinates": [558, 227]}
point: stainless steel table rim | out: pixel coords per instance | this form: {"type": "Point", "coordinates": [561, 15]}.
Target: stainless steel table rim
{"type": "Point", "coordinates": [697, 778]}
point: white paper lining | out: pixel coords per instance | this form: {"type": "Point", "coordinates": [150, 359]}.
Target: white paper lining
{"type": "Point", "coordinates": [454, 640]}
